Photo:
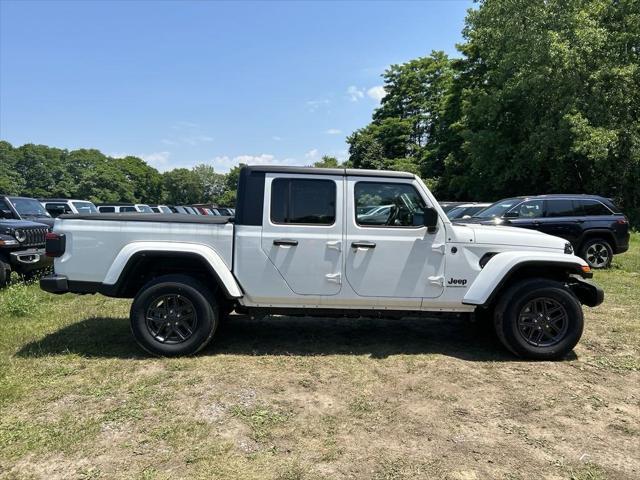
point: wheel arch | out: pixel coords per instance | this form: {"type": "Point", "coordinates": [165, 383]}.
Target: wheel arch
{"type": "Point", "coordinates": [602, 233]}
{"type": "Point", "coordinates": [135, 265]}
{"type": "Point", "coordinates": [504, 269]}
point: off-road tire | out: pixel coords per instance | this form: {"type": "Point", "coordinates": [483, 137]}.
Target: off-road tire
{"type": "Point", "coordinates": [201, 302]}
{"type": "Point", "coordinates": [597, 252]}
{"type": "Point", "coordinates": [510, 308]}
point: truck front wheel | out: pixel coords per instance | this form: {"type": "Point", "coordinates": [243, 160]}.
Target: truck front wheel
{"type": "Point", "coordinates": [174, 315]}
{"type": "Point", "coordinates": [539, 319]}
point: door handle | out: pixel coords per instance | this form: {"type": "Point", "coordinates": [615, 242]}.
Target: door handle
{"type": "Point", "coordinates": [363, 245]}
{"type": "Point", "coordinates": [579, 221]}
{"type": "Point", "coordinates": [285, 242]}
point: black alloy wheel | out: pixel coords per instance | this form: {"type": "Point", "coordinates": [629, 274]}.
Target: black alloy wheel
{"type": "Point", "coordinates": [543, 322]}
{"type": "Point", "coordinates": [171, 319]}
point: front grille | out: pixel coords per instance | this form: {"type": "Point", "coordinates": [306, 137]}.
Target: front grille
{"type": "Point", "coordinates": [35, 237]}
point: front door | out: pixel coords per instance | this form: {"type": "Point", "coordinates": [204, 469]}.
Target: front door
{"type": "Point", "coordinates": [302, 231]}
{"type": "Point", "coordinates": [389, 252]}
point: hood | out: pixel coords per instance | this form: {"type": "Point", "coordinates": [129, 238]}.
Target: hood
{"type": "Point", "coordinates": [48, 221]}
{"type": "Point", "coordinates": [8, 224]}
{"type": "Point", "coordinates": [522, 237]}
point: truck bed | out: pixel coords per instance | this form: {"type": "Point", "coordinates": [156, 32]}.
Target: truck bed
{"type": "Point", "coordinates": [149, 217]}
{"type": "Point", "coordinates": [102, 240]}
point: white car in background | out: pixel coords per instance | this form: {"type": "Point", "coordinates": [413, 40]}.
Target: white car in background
{"type": "Point", "coordinates": [59, 206]}
{"type": "Point", "coordinates": [124, 208]}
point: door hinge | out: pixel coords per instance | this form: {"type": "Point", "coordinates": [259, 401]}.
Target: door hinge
{"type": "Point", "coordinates": [335, 245]}
{"type": "Point", "coordinates": [334, 277]}
{"type": "Point", "coordinates": [437, 281]}
{"type": "Point", "coordinates": [438, 247]}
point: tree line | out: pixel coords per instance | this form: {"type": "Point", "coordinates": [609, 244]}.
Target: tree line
{"type": "Point", "coordinates": [42, 171]}
{"type": "Point", "coordinates": [545, 98]}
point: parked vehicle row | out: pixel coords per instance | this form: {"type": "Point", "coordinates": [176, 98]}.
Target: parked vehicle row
{"type": "Point", "coordinates": [199, 209]}
{"type": "Point", "coordinates": [25, 221]}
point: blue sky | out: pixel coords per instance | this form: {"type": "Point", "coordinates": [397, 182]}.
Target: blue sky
{"type": "Point", "coordinates": [182, 83]}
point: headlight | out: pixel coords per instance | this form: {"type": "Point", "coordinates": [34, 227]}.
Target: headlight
{"type": "Point", "coordinates": [568, 248]}
{"type": "Point", "coordinates": [20, 235]}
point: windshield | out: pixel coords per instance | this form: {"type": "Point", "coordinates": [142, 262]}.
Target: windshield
{"type": "Point", "coordinates": [144, 209]}
{"type": "Point", "coordinates": [85, 207]}
{"type": "Point", "coordinates": [28, 207]}
{"type": "Point", "coordinates": [457, 212]}
{"type": "Point", "coordinates": [498, 208]}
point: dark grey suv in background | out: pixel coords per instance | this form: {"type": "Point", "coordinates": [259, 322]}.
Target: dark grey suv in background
{"type": "Point", "coordinates": [596, 228]}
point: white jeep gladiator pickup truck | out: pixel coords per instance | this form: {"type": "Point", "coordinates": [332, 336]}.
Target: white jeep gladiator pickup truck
{"type": "Point", "coordinates": [303, 242]}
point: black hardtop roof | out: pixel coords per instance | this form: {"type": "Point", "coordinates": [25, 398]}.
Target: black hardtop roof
{"type": "Point", "coordinates": [327, 171]}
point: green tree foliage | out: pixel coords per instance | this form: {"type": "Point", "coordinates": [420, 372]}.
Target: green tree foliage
{"type": "Point", "coordinates": [407, 129]}
{"type": "Point", "coordinates": [327, 162]}
{"type": "Point", "coordinates": [182, 186]}
{"type": "Point", "coordinates": [546, 98]}
{"type": "Point", "coordinates": [145, 180]}
{"type": "Point", "coordinates": [213, 184]}
{"type": "Point", "coordinates": [552, 99]}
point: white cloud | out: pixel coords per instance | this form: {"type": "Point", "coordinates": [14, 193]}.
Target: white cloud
{"type": "Point", "coordinates": [377, 93]}
{"type": "Point", "coordinates": [159, 160]}
{"type": "Point", "coordinates": [333, 131]}
{"type": "Point", "coordinates": [355, 93]}
{"type": "Point", "coordinates": [225, 163]}
{"type": "Point", "coordinates": [186, 133]}
{"type": "Point", "coordinates": [276, 138]}
{"type": "Point", "coordinates": [314, 105]}
{"type": "Point", "coordinates": [311, 154]}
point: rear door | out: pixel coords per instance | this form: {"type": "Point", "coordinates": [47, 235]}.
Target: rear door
{"type": "Point", "coordinates": [562, 220]}
{"type": "Point", "coordinates": [302, 231]}
{"type": "Point", "coordinates": [389, 252]}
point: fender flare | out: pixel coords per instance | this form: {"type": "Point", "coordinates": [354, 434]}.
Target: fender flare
{"type": "Point", "coordinates": [207, 254]}
{"type": "Point", "coordinates": [503, 266]}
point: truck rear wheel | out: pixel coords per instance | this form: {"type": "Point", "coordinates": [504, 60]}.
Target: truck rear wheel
{"type": "Point", "coordinates": [539, 319]}
{"type": "Point", "coordinates": [174, 315]}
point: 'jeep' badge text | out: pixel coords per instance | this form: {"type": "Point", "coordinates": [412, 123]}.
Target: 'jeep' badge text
{"type": "Point", "coordinates": [457, 282]}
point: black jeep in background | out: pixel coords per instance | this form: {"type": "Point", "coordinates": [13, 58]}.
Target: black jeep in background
{"type": "Point", "coordinates": [596, 228]}
{"type": "Point", "coordinates": [22, 249]}
{"type": "Point", "coordinates": [24, 208]}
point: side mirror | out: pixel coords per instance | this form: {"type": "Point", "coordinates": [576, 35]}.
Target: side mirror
{"type": "Point", "coordinates": [430, 218]}
{"type": "Point", "coordinates": [5, 213]}
{"type": "Point", "coordinates": [511, 214]}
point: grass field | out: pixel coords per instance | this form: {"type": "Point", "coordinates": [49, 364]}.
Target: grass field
{"type": "Point", "coordinates": [293, 399]}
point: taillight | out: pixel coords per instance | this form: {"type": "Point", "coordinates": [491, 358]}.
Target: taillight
{"type": "Point", "coordinates": [55, 244]}
{"type": "Point", "coordinates": [622, 221]}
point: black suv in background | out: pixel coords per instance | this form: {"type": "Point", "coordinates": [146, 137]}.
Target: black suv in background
{"type": "Point", "coordinates": [22, 248]}
{"type": "Point", "coordinates": [596, 228]}
{"type": "Point", "coordinates": [24, 208]}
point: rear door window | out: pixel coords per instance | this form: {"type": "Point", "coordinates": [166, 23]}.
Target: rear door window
{"type": "Point", "coordinates": [593, 207]}
{"type": "Point", "coordinates": [127, 209]}
{"type": "Point", "coordinates": [560, 208]}
{"type": "Point", "coordinates": [107, 209]}
{"type": "Point", "coordinates": [303, 201]}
